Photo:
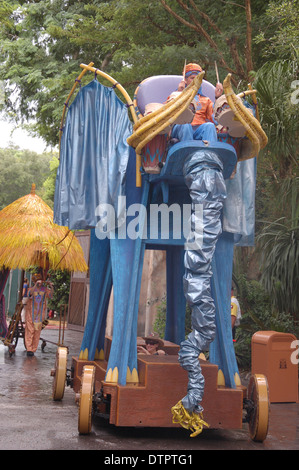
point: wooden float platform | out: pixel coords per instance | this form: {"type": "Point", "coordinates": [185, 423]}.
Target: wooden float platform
{"type": "Point", "coordinates": [162, 383]}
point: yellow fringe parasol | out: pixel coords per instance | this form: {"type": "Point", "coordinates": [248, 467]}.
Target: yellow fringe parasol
{"type": "Point", "coordinates": [29, 237]}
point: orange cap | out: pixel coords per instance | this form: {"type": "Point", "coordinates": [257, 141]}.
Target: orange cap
{"type": "Point", "coordinates": [192, 68]}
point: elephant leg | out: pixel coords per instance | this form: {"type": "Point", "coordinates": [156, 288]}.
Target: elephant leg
{"type": "Point", "coordinates": [127, 261]}
{"type": "Point", "coordinates": [92, 346]}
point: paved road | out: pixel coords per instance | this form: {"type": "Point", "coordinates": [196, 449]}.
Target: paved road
{"type": "Point", "coordinates": [31, 420]}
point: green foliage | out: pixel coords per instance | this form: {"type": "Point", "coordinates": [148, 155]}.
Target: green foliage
{"type": "Point", "coordinates": [279, 246]}
{"type": "Point", "coordinates": [61, 284]}
{"type": "Point", "coordinates": [257, 315]}
{"type": "Point", "coordinates": [279, 114]}
{"type": "Point", "coordinates": [43, 43]}
{"type": "Point", "coordinates": [49, 183]}
{"type": "Point", "coordinates": [280, 38]}
{"type": "Point", "coordinates": [18, 170]}
{"type": "Point", "coordinates": [42, 46]}
{"type": "Point", "coordinates": [160, 320]}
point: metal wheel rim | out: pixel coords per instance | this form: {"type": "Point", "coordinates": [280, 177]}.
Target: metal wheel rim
{"type": "Point", "coordinates": [85, 401]}
{"type": "Point", "coordinates": [259, 420]}
{"type": "Point", "coordinates": [60, 373]}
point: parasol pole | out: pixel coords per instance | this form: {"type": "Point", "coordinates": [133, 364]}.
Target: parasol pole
{"type": "Point", "coordinates": [184, 71]}
{"type": "Point", "coordinates": [20, 296]}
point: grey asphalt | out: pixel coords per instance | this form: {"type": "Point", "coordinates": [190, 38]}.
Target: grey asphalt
{"type": "Point", "coordinates": [31, 420]}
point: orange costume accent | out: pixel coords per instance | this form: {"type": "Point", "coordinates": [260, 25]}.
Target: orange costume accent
{"type": "Point", "coordinates": [203, 110]}
{"type": "Point", "coordinates": [35, 312]}
{"type": "Point", "coordinates": [203, 105]}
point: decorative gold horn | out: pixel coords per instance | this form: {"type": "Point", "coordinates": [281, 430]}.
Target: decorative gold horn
{"type": "Point", "coordinates": [254, 131]}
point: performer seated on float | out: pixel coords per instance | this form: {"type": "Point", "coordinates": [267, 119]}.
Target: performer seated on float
{"type": "Point", "coordinates": [35, 312]}
{"type": "Point", "coordinates": [153, 345]}
{"type": "Point", "coordinates": [203, 125]}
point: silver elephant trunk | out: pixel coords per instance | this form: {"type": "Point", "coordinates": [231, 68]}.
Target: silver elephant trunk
{"type": "Point", "coordinates": [204, 179]}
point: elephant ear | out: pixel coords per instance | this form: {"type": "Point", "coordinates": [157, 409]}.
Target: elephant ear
{"type": "Point", "coordinates": [94, 156]}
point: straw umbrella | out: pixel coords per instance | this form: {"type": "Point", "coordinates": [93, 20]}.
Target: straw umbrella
{"type": "Point", "coordinates": [29, 237]}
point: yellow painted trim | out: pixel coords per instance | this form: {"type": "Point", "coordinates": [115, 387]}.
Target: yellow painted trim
{"type": "Point", "coordinates": [83, 354]}
{"type": "Point", "coordinates": [132, 377]}
{"type": "Point", "coordinates": [129, 376]}
{"type": "Point", "coordinates": [99, 355]}
{"type": "Point", "coordinates": [115, 375]}
{"type": "Point", "coordinates": [135, 376]}
{"type": "Point", "coordinates": [108, 376]}
{"type": "Point", "coordinates": [220, 378]}
{"type": "Point", "coordinates": [112, 375]}
{"type": "Point", "coordinates": [237, 379]}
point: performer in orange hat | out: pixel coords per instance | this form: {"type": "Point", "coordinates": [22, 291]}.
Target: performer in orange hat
{"type": "Point", "coordinates": [203, 124]}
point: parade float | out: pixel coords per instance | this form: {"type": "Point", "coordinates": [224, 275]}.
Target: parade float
{"type": "Point", "coordinates": [114, 165]}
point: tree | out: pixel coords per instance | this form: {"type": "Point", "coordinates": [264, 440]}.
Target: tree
{"type": "Point", "coordinates": [279, 115]}
{"type": "Point", "coordinates": [279, 245]}
{"type": "Point", "coordinates": [42, 45]}
{"type": "Point", "coordinates": [49, 183]}
{"type": "Point", "coordinates": [18, 170]}
{"type": "Point", "coordinates": [43, 42]}
{"type": "Point", "coordinates": [209, 26]}
{"type": "Point", "coordinates": [281, 39]}
{"type": "Point", "coordinates": [61, 287]}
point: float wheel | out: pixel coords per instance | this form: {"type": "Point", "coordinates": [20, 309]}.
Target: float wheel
{"type": "Point", "coordinates": [258, 394]}
{"type": "Point", "coordinates": [85, 400]}
{"type": "Point", "coordinates": [59, 373]}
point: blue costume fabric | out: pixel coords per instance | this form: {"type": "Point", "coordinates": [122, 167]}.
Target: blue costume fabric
{"type": "Point", "coordinates": [184, 132]}
{"type": "Point", "coordinates": [204, 131]}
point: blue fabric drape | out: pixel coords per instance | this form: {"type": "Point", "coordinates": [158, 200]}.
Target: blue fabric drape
{"type": "Point", "coordinates": [239, 206]}
{"type": "Point", "coordinates": [93, 156]}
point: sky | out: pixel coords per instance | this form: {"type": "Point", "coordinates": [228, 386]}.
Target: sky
{"type": "Point", "coordinates": [21, 138]}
